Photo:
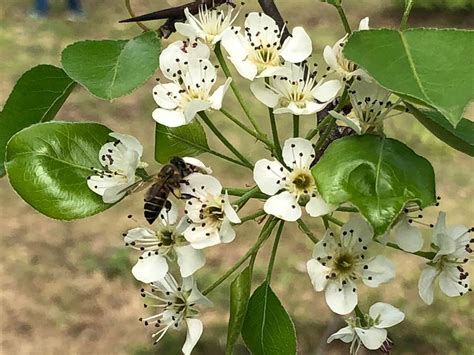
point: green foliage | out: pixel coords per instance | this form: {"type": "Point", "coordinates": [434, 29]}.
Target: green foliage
{"type": "Point", "coordinates": [460, 138]}
{"type": "Point", "coordinates": [239, 298]}
{"type": "Point", "coordinates": [447, 5]}
{"type": "Point", "coordinates": [333, 2]}
{"type": "Point", "coordinates": [37, 97]}
{"type": "Point", "coordinates": [48, 165]}
{"type": "Point", "coordinates": [110, 69]}
{"type": "Point", "coordinates": [188, 140]}
{"type": "Point", "coordinates": [406, 64]}
{"type": "Point", "coordinates": [117, 264]}
{"type": "Point", "coordinates": [268, 329]}
{"type": "Point", "coordinates": [378, 175]}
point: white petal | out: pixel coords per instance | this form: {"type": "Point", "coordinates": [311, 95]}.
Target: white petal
{"type": "Point", "coordinates": [380, 270]}
{"type": "Point", "coordinates": [408, 237]}
{"type": "Point", "coordinates": [298, 47]}
{"type": "Point", "coordinates": [273, 70]}
{"type": "Point", "coordinates": [186, 29]}
{"type": "Point", "coordinates": [235, 45]}
{"type": "Point", "coordinates": [139, 233]}
{"type": "Point", "coordinates": [150, 268]}
{"type": "Point", "coordinates": [169, 216]}
{"type": "Point", "coordinates": [461, 237]}
{"type": "Point", "coordinates": [356, 234]}
{"type": "Point", "coordinates": [195, 106]}
{"type": "Point", "coordinates": [448, 282]}
{"type": "Point", "coordinates": [317, 273]}
{"type": "Point", "coordinates": [246, 68]}
{"type": "Point", "coordinates": [192, 335]}
{"type": "Point", "coordinates": [439, 230]}
{"type": "Point", "coordinates": [226, 233]}
{"type": "Point", "coordinates": [387, 315]}
{"type": "Point", "coordinates": [200, 237]}
{"type": "Point", "coordinates": [169, 118]}
{"type": "Point", "coordinates": [260, 22]}
{"type": "Point", "coordinates": [298, 152]}
{"type": "Point", "coordinates": [100, 184]}
{"type": "Point", "coordinates": [117, 156]}
{"type": "Point", "coordinates": [269, 176]}
{"type": "Point", "coordinates": [167, 95]}
{"type": "Point", "coordinates": [318, 207]}
{"type": "Point", "coordinates": [193, 206]}
{"type": "Point", "coordinates": [230, 213]}
{"type": "Point", "coordinates": [330, 57]}
{"type": "Point", "coordinates": [264, 94]}
{"type": "Point", "coordinates": [327, 91]}
{"type": "Point", "coordinates": [197, 163]}
{"type": "Point", "coordinates": [345, 334]}
{"type": "Point", "coordinates": [326, 246]}
{"type": "Point", "coordinates": [283, 206]}
{"type": "Point", "coordinates": [218, 95]}
{"type": "Point", "coordinates": [426, 284]}
{"type": "Point", "coordinates": [372, 338]}
{"type": "Point", "coordinates": [364, 24]}
{"type": "Point", "coordinates": [130, 142]}
{"type": "Point", "coordinates": [202, 184]}
{"type": "Point", "coordinates": [342, 299]}
{"type": "Point", "coordinates": [115, 193]}
{"type": "Point", "coordinates": [189, 260]}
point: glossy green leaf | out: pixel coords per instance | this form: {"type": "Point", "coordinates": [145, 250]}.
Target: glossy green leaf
{"type": "Point", "coordinates": [110, 69]}
{"type": "Point", "coordinates": [268, 329]}
{"type": "Point", "coordinates": [189, 140]}
{"type": "Point", "coordinates": [37, 97]}
{"type": "Point", "coordinates": [239, 298]}
{"type": "Point", "coordinates": [460, 138]}
{"type": "Point", "coordinates": [428, 66]}
{"type": "Point", "coordinates": [378, 175]}
{"type": "Point", "coordinates": [48, 165]}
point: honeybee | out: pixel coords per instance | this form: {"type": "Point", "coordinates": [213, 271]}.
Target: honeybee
{"type": "Point", "coordinates": [166, 182]}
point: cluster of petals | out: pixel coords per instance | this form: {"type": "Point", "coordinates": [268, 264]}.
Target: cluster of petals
{"type": "Point", "coordinates": [291, 184]}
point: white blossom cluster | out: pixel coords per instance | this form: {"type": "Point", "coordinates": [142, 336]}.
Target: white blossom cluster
{"type": "Point", "coordinates": [280, 78]}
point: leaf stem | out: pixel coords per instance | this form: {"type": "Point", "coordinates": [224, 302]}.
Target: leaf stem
{"type": "Point", "coordinates": [296, 125]}
{"type": "Point", "coordinates": [235, 89]}
{"type": "Point", "coordinates": [252, 216]}
{"type": "Point", "coordinates": [236, 191]}
{"type": "Point", "coordinates": [304, 228]}
{"type": "Point", "coordinates": [274, 126]}
{"type": "Point", "coordinates": [264, 234]}
{"type": "Point", "coordinates": [257, 136]}
{"type": "Point", "coordinates": [132, 14]}
{"type": "Point", "coordinates": [406, 14]}
{"type": "Point", "coordinates": [271, 263]}
{"type": "Point", "coordinates": [334, 220]}
{"type": "Point", "coordinates": [343, 17]}
{"type": "Point", "coordinates": [347, 209]}
{"type": "Point", "coordinates": [224, 140]}
{"type": "Point", "coordinates": [225, 157]}
{"type": "Point", "coordinates": [424, 254]}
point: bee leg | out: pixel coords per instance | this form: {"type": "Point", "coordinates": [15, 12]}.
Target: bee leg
{"type": "Point", "coordinates": [186, 196]}
{"type": "Point", "coordinates": [176, 193]}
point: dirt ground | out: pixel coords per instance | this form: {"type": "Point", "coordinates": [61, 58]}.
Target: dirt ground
{"type": "Point", "coordinates": [66, 287]}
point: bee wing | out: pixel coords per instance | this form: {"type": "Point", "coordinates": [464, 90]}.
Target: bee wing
{"type": "Point", "coordinates": [135, 187]}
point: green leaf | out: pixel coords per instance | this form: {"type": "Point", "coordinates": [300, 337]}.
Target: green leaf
{"type": "Point", "coordinates": [333, 2]}
{"type": "Point", "coordinates": [460, 138]}
{"type": "Point", "coordinates": [239, 298]}
{"type": "Point", "coordinates": [37, 97]}
{"type": "Point", "coordinates": [268, 329]}
{"type": "Point", "coordinates": [378, 175]}
{"type": "Point", "coordinates": [428, 66]}
{"type": "Point", "coordinates": [48, 165]}
{"type": "Point", "coordinates": [110, 69]}
{"type": "Point", "coordinates": [188, 140]}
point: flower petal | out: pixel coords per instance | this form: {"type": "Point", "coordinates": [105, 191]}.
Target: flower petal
{"type": "Point", "coordinates": [269, 176]}
{"type": "Point", "coordinates": [340, 298]}
{"type": "Point", "coordinates": [449, 280]}
{"type": "Point", "coordinates": [167, 95]}
{"type": "Point", "coordinates": [226, 232]}
{"type": "Point", "coordinates": [364, 24]}
{"type": "Point", "coordinates": [230, 213]}
{"type": "Point", "coordinates": [189, 260]}
{"type": "Point", "coordinates": [186, 29]}
{"type": "Point", "coordinates": [327, 91]}
{"type": "Point", "coordinates": [379, 270]}
{"type": "Point", "coordinates": [264, 94]}
{"type": "Point", "coordinates": [408, 237]}
{"type": "Point", "coordinates": [426, 284]}
{"type": "Point", "coordinates": [193, 334]}
{"type": "Point", "coordinates": [345, 334]}
{"type": "Point", "coordinates": [317, 273]}
{"type": "Point", "coordinates": [169, 118]}
{"type": "Point", "coordinates": [200, 237]}
{"type": "Point", "coordinates": [169, 214]}
{"type": "Point", "coordinates": [200, 185]}
{"type": "Point", "coordinates": [115, 193]}
{"type": "Point", "coordinates": [195, 106]}
{"type": "Point", "coordinates": [372, 338]}
{"type": "Point", "coordinates": [298, 47]}
{"type": "Point", "coordinates": [387, 315]}
{"type": "Point", "coordinates": [283, 206]}
{"type": "Point", "coordinates": [139, 233]}
{"type": "Point", "coordinates": [218, 95]}
{"type": "Point", "coordinates": [356, 234]}
{"type": "Point", "coordinates": [298, 153]}
{"type": "Point", "coordinates": [330, 57]}
{"type": "Point", "coordinates": [150, 268]}
{"type": "Point", "coordinates": [246, 68]}
{"type": "Point", "coordinates": [130, 142]}
{"type": "Point", "coordinates": [326, 246]}
{"type": "Point", "coordinates": [197, 163]}
{"type": "Point", "coordinates": [316, 207]}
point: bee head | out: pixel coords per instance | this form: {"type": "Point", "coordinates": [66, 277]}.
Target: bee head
{"type": "Point", "coordinates": [179, 163]}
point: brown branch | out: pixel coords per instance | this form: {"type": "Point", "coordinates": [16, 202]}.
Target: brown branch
{"type": "Point", "coordinates": [174, 14]}
{"type": "Point", "coordinates": [269, 8]}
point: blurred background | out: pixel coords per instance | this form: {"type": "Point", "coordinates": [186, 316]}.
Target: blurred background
{"type": "Point", "coordinates": [66, 287]}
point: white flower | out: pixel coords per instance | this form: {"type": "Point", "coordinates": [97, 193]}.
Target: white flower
{"type": "Point", "coordinates": [453, 250]}
{"type": "Point", "coordinates": [167, 243]}
{"type": "Point", "coordinates": [209, 25]}
{"type": "Point", "coordinates": [339, 261]}
{"type": "Point", "coordinates": [372, 334]}
{"type": "Point", "coordinates": [338, 63]}
{"type": "Point", "coordinates": [209, 213]}
{"type": "Point", "coordinates": [296, 93]}
{"type": "Point", "coordinates": [120, 160]}
{"type": "Point", "coordinates": [178, 308]}
{"type": "Point", "coordinates": [259, 53]}
{"type": "Point", "coordinates": [190, 92]}
{"type": "Point", "coordinates": [293, 186]}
